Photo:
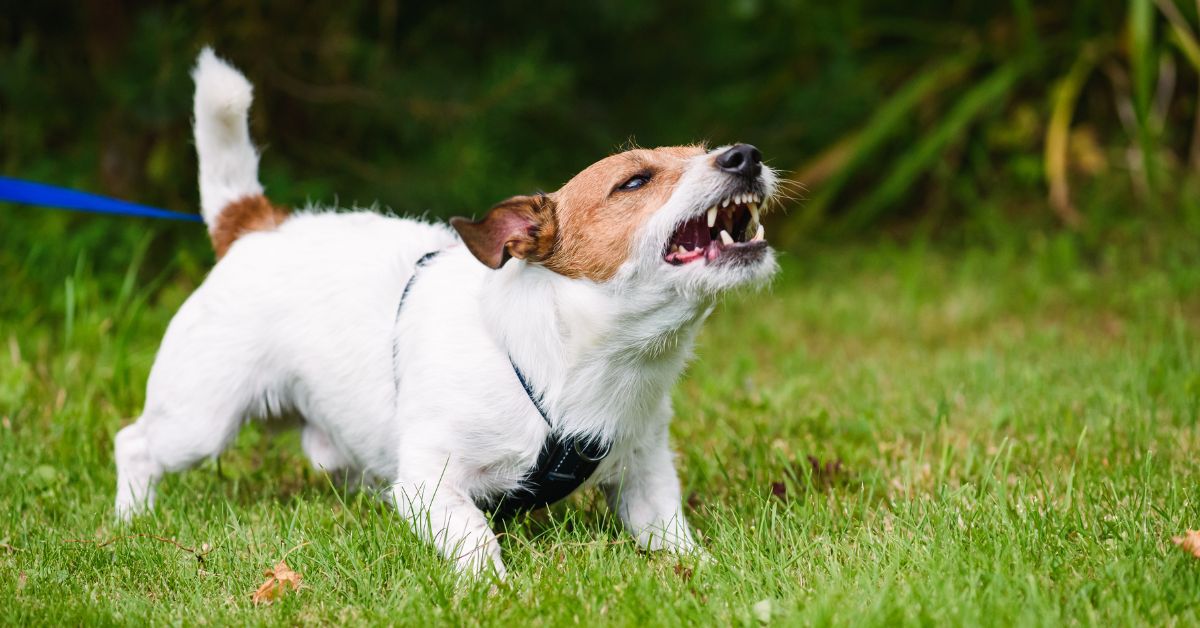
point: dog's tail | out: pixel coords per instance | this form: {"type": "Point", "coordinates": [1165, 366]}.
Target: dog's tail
{"type": "Point", "coordinates": [231, 198]}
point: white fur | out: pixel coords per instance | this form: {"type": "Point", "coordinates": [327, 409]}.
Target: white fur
{"type": "Point", "coordinates": [228, 161]}
{"type": "Point", "coordinates": [303, 320]}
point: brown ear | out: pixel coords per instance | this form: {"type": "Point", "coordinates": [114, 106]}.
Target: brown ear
{"type": "Point", "coordinates": [523, 227]}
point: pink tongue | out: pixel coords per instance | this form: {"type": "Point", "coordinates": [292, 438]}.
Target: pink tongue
{"type": "Point", "coordinates": [686, 257]}
{"type": "Point", "coordinates": [711, 251]}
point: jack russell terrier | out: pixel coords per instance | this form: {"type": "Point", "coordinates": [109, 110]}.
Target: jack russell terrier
{"type": "Point", "coordinates": [491, 366]}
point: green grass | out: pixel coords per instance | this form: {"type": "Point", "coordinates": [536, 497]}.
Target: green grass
{"type": "Point", "coordinates": [1003, 436]}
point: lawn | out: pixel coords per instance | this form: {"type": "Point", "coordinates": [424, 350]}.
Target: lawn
{"type": "Point", "coordinates": [891, 434]}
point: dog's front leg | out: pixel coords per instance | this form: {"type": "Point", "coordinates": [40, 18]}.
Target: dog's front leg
{"type": "Point", "coordinates": [441, 515]}
{"type": "Point", "coordinates": [646, 497]}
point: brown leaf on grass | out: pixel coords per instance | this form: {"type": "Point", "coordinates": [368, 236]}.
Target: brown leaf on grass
{"type": "Point", "coordinates": [280, 580]}
{"type": "Point", "coordinates": [1189, 542]}
{"type": "Point", "coordinates": [684, 572]}
{"type": "Point", "coordinates": [823, 475]}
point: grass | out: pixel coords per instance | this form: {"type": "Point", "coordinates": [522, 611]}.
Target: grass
{"type": "Point", "coordinates": [892, 435]}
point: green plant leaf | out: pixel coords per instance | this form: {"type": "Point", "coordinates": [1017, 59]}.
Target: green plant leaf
{"type": "Point", "coordinates": [915, 162]}
{"type": "Point", "coordinates": [889, 120]}
{"type": "Point", "coordinates": [1143, 75]}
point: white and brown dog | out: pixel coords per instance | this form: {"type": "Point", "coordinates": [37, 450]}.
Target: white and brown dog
{"type": "Point", "coordinates": [591, 296]}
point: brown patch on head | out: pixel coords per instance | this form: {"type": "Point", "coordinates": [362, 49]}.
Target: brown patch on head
{"type": "Point", "coordinates": [586, 228]}
{"type": "Point", "coordinates": [597, 219]}
{"type": "Point", "coordinates": [251, 213]}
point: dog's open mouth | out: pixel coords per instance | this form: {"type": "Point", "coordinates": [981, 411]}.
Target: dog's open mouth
{"type": "Point", "coordinates": [729, 228]}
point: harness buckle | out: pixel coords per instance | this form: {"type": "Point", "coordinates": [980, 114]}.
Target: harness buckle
{"type": "Point", "coordinates": [583, 454]}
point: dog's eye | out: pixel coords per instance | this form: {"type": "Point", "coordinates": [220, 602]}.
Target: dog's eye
{"type": "Point", "coordinates": [635, 182]}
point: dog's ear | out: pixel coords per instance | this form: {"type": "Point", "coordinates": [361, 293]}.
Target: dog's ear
{"type": "Point", "coordinates": [523, 227]}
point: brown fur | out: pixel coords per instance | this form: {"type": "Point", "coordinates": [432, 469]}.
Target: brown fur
{"type": "Point", "coordinates": [586, 228]}
{"type": "Point", "coordinates": [523, 227]}
{"type": "Point", "coordinates": [596, 225]}
{"type": "Point", "coordinates": [251, 213]}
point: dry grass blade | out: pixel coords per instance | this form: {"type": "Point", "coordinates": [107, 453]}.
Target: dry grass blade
{"type": "Point", "coordinates": [199, 552]}
{"type": "Point", "coordinates": [1184, 38]}
{"type": "Point", "coordinates": [831, 161]}
{"type": "Point", "coordinates": [1058, 132]}
{"type": "Point", "coordinates": [1181, 34]}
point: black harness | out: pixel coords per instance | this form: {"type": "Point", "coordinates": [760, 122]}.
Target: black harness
{"type": "Point", "coordinates": [564, 463]}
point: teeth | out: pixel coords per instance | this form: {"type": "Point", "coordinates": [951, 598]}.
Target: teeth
{"type": "Point", "coordinates": [753, 212]}
{"type": "Point", "coordinates": [759, 236]}
{"type": "Point", "coordinates": [725, 203]}
{"type": "Point", "coordinates": [726, 238]}
{"type": "Point", "coordinates": [679, 249]}
{"type": "Point", "coordinates": [712, 216]}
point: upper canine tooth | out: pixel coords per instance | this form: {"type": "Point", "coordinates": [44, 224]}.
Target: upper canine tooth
{"type": "Point", "coordinates": [712, 216]}
{"type": "Point", "coordinates": [761, 233]}
{"type": "Point", "coordinates": [753, 212]}
{"type": "Point", "coordinates": [726, 238]}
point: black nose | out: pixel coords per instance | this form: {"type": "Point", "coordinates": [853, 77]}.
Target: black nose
{"type": "Point", "coordinates": [741, 159]}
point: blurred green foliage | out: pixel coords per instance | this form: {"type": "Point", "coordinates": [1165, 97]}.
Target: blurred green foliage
{"type": "Point", "coordinates": [966, 116]}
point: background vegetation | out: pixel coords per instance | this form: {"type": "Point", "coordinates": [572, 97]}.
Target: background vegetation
{"type": "Point", "coordinates": [926, 114]}
{"type": "Point", "coordinates": [972, 396]}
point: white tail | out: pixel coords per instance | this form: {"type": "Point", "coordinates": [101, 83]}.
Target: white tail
{"type": "Point", "coordinates": [228, 161]}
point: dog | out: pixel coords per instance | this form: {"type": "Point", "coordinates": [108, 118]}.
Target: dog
{"type": "Point", "coordinates": [445, 361]}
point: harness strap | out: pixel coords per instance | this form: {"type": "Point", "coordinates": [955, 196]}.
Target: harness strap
{"type": "Point", "coordinates": [563, 465]}
{"type": "Point", "coordinates": [424, 259]}
{"type": "Point", "coordinates": [536, 399]}
{"type": "Point", "coordinates": [564, 462]}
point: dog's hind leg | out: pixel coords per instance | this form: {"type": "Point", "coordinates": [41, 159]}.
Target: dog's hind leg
{"type": "Point", "coordinates": [166, 440]}
{"type": "Point", "coordinates": [137, 472]}
{"type": "Point", "coordinates": [325, 456]}
{"type": "Point", "coordinates": [195, 419]}
{"type": "Point", "coordinates": [321, 451]}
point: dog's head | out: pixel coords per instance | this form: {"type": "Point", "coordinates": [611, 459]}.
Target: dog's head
{"type": "Point", "coordinates": [684, 216]}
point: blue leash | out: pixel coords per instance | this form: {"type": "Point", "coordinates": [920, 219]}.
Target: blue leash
{"type": "Point", "coordinates": [30, 193]}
